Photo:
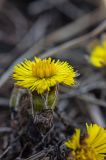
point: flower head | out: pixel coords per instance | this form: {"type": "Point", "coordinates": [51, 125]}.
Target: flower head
{"type": "Point", "coordinates": [91, 146]}
{"type": "Point", "coordinates": [98, 55]}
{"type": "Point", "coordinates": [41, 75]}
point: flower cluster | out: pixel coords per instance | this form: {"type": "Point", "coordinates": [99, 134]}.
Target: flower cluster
{"type": "Point", "coordinates": [40, 75]}
{"type": "Point", "coordinates": [91, 146]}
{"type": "Point", "coordinates": [98, 55]}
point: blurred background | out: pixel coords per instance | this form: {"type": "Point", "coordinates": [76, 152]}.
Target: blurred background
{"type": "Point", "coordinates": [64, 29]}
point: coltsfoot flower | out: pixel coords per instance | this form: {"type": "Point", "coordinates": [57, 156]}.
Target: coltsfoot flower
{"type": "Point", "coordinates": [91, 146]}
{"type": "Point", "coordinates": [98, 55]}
{"type": "Point", "coordinates": [40, 75]}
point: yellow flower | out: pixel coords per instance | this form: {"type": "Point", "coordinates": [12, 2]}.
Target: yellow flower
{"type": "Point", "coordinates": [98, 55]}
{"type": "Point", "coordinates": [91, 146]}
{"type": "Point", "coordinates": [40, 74]}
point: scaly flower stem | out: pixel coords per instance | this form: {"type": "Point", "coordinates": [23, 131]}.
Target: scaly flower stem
{"type": "Point", "coordinates": [45, 98]}
{"type": "Point", "coordinates": [56, 93]}
{"type": "Point", "coordinates": [32, 106]}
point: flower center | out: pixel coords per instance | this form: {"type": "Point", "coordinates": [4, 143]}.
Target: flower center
{"type": "Point", "coordinates": [84, 153]}
{"type": "Point", "coordinates": [43, 69]}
